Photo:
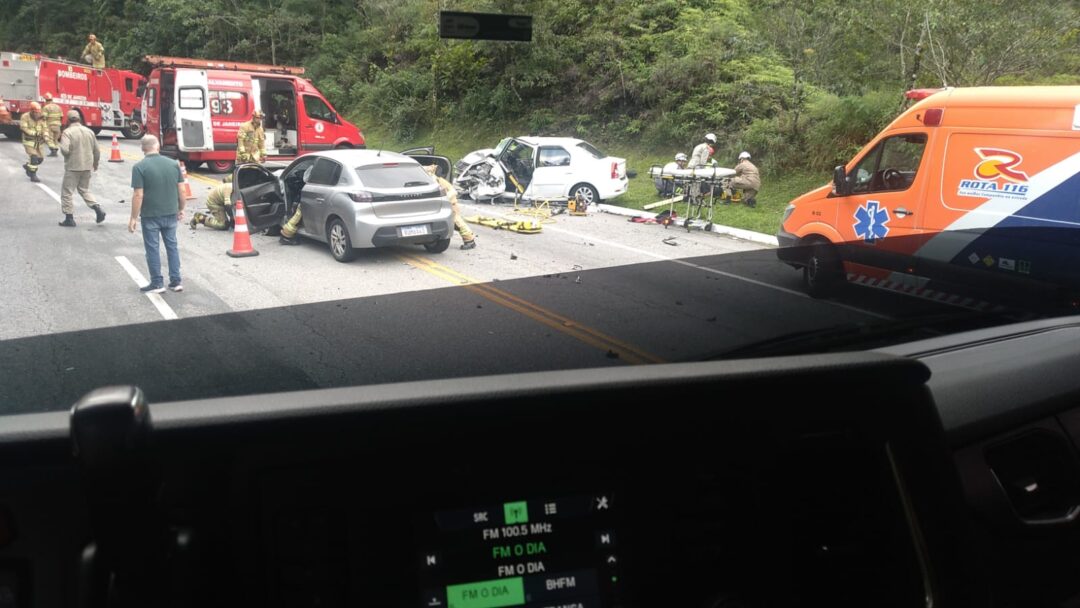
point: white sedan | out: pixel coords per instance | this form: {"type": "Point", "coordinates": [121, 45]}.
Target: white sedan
{"type": "Point", "coordinates": [542, 168]}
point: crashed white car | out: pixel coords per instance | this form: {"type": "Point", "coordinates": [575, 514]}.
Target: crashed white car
{"type": "Point", "coordinates": [543, 168]}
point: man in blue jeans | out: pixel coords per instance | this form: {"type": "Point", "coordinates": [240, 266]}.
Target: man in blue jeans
{"type": "Point", "coordinates": [159, 201]}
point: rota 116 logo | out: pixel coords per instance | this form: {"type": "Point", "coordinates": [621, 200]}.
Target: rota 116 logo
{"type": "Point", "coordinates": [996, 175]}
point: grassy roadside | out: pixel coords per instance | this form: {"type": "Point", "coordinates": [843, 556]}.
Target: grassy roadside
{"type": "Point", "coordinates": [457, 140]}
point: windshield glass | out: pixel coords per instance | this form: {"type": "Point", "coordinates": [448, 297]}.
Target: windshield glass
{"type": "Point", "coordinates": [784, 177]}
{"type": "Point", "coordinates": [393, 176]}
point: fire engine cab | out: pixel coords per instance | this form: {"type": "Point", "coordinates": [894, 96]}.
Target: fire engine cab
{"type": "Point", "coordinates": [196, 107]}
{"type": "Point", "coordinates": [106, 98]}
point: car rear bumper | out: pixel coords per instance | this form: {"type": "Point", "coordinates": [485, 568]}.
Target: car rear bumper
{"type": "Point", "coordinates": [613, 188]}
{"type": "Point", "coordinates": [384, 232]}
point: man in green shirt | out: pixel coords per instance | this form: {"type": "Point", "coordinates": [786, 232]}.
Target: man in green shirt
{"type": "Point", "coordinates": [159, 201]}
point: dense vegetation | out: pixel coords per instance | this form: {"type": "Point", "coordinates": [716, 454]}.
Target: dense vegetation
{"type": "Point", "coordinates": [800, 83]}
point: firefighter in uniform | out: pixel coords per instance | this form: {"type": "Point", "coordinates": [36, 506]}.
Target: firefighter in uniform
{"type": "Point", "coordinates": [53, 118]}
{"type": "Point", "coordinates": [251, 141]}
{"type": "Point", "coordinates": [747, 178]}
{"type": "Point", "coordinates": [34, 135]}
{"type": "Point", "coordinates": [219, 208]}
{"type": "Point", "coordinates": [94, 53]}
{"type": "Point", "coordinates": [703, 151]}
{"type": "Point", "coordinates": [461, 225]}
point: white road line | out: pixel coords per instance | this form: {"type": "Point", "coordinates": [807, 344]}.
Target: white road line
{"type": "Point", "coordinates": [49, 191]}
{"type": "Point", "coordinates": [155, 298]}
{"type": "Point", "coordinates": [729, 275]}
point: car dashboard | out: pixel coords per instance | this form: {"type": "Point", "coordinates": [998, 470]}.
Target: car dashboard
{"type": "Point", "coordinates": [942, 472]}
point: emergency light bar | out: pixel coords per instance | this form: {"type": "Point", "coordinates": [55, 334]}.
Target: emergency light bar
{"type": "Point", "coordinates": [212, 64]}
{"type": "Point", "coordinates": [918, 94]}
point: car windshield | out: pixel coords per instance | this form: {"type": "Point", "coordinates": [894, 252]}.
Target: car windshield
{"type": "Point", "coordinates": [848, 179]}
{"type": "Point", "coordinates": [393, 175]}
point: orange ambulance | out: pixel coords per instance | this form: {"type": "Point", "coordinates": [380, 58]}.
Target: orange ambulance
{"type": "Point", "coordinates": [970, 188]}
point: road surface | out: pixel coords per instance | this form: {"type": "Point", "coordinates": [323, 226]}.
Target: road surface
{"type": "Point", "coordinates": [588, 291]}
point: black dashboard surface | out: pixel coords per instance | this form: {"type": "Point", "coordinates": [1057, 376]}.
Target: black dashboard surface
{"type": "Point", "coordinates": [799, 481]}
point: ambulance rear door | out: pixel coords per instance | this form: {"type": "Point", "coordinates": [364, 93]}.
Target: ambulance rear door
{"type": "Point", "coordinates": [191, 98]}
{"type": "Point", "coordinates": [151, 112]}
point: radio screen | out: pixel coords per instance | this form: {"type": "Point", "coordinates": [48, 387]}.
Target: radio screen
{"type": "Point", "coordinates": [548, 553]}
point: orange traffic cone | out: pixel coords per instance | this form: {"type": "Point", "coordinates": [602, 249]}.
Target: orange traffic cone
{"type": "Point", "coordinates": [186, 186]}
{"type": "Point", "coordinates": [114, 157]}
{"type": "Point", "coordinates": [241, 239]}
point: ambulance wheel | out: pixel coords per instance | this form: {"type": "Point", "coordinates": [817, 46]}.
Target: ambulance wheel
{"type": "Point", "coordinates": [438, 246]}
{"type": "Point", "coordinates": [339, 241]}
{"type": "Point", "coordinates": [823, 270]}
{"type": "Point", "coordinates": [220, 166]}
{"type": "Point", "coordinates": [134, 130]}
{"type": "Point", "coordinates": [587, 192]}
{"type": "Point", "coordinates": [192, 165]}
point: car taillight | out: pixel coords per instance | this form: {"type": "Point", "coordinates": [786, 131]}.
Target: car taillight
{"type": "Point", "coordinates": [360, 197]}
{"type": "Point", "coordinates": [614, 170]}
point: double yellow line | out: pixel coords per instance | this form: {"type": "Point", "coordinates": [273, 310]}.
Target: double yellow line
{"type": "Point", "coordinates": [625, 352]}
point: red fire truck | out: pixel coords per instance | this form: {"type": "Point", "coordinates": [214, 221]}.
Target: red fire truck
{"type": "Point", "coordinates": [107, 98]}
{"type": "Point", "coordinates": [196, 107]}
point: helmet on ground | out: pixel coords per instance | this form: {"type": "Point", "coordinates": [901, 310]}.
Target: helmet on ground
{"type": "Point", "coordinates": [680, 157]}
{"type": "Point", "coordinates": [35, 106]}
{"type": "Point", "coordinates": [711, 138]}
{"type": "Point", "coordinates": [744, 154]}
{"type": "Point", "coordinates": [48, 96]}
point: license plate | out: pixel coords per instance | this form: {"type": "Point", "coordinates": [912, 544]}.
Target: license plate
{"type": "Point", "coordinates": [418, 230]}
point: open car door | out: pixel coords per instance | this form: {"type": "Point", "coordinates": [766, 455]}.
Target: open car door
{"type": "Point", "coordinates": [426, 156]}
{"type": "Point", "coordinates": [262, 195]}
{"type": "Point", "coordinates": [191, 98]}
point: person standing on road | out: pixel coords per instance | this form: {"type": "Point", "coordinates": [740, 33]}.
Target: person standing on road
{"type": "Point", "coordinates": [81, 155]}
{"type": "Point", "coordinates": [94, 53]}
{"type": "Point", "coordinates": [34, 135]}
{"type": "Point", "coordinates": [703, 151]}
{"type": "Point", "coordinates": [159, 201]}
{"type": "Point", "coordinates": [53, 118]}
{"type": "Point", "coordinates": [251, 141]}
{"type": "Point", "coordinates": [747, 178]}
{"type": "Point", "coordinates": [459, 224]}
{"type": "Point", "coordinates": [219, 207]}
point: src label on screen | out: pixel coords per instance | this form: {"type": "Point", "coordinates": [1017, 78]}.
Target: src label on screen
{"type": "Point", "coordinates": [552, 553]}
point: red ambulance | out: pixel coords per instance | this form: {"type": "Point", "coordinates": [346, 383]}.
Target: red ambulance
{"type": "Point", "coordinates": [106, 98]}
{"type": "Point", "coordinates": [196, 107]}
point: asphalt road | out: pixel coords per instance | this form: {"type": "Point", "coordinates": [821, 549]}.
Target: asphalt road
{"type": "Point", "coordinates": [587, 292]}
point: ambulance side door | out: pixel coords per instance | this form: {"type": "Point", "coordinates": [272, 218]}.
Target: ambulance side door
{"type": "Point", "coordinates": [151, 110]}
{"type": "Point", "coordinates": [191, 98]}
{"type": "Point", "coordinates": [880, 220]}
{"type": "Point", "coordinates": [317, 122]}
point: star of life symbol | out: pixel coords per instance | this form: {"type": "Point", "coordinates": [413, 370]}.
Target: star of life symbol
{"type": "Point", "coordinates": [871, 222]}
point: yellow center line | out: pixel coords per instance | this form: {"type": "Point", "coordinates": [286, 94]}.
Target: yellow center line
{"type": "Point", "coordinates": [572, 328]}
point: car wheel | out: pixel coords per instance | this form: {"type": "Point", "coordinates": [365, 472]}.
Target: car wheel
{"type": "Point", "coordinates": [134, 130]}
{"type": "Point", "coordinates": [221, 166]}
{"type": "Point", "coordinates": [823, 270]}
{"type": "Point", "coordinates": [587, 192]}
{"type": "Point", "coordinates": [339, 241]}
{"type": "Point", "coordinates": [192, 165]}
{"type": "Point", "coordinates": [438, 246]}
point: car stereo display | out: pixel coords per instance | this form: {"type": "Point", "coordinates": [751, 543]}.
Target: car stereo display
{"type": "Point", "coordinates": [549, 553]}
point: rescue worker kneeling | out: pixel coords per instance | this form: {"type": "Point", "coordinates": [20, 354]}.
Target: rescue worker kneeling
{"type": "Point", "coordinates": [747, 179]}
{"type": "Point", "coordinates": [219, 210]}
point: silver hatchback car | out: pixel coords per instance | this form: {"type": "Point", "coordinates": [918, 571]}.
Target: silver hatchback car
{"type": "Point", "coordinates": [352, 199]}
